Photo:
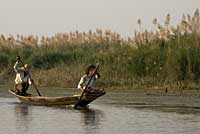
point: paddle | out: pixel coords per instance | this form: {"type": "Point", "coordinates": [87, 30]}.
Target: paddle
{"type": "Point", "coordinates": [95, 70]}
{"type": "Point", "coordinates": [19, 59]}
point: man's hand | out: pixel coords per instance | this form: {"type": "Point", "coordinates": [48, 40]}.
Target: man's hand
{"type": "Point", "coordinates": [31, 81]}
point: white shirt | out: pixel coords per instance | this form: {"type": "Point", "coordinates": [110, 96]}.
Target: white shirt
{"type": "Point", "coordinates": [85, 79]}
{"type": "Point", "coordinates": [20, 75]}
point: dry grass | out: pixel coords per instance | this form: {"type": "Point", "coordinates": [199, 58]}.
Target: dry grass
{"type": "Point", "coordinates": [169, 55]}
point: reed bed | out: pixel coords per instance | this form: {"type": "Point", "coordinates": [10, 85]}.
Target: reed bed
{"type": "Point", "coordinates": [167, 56]}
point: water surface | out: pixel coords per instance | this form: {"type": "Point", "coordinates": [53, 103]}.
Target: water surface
{"type": "Point", "coordinates": [115, 113]}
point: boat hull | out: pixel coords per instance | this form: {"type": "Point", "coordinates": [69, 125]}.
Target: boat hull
{"type": "Point", "coordinates": [55, 101]}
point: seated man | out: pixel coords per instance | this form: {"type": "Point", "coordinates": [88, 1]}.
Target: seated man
{"type": "Point", "coordinates": [91, 87]}
{"type": "Point", "coordinates": [22, 79]}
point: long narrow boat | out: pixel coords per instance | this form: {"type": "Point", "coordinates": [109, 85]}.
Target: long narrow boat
{"type": "Point", "coordinates": [61, 100]}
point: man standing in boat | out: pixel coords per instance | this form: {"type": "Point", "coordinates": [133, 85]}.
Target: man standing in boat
{"type": "Point", "coordinates": [23, 79]}
{"type": "Point", "coordinates": [91, 88]}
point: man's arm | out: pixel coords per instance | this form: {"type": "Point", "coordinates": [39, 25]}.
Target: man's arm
{"type": "Point", "coordinates": [81, 83]}
{"type": "Point", "coordinates": [16, 67]}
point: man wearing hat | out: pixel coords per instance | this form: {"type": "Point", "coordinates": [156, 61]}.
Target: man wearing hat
{"type": "Point", "coordinates": [22, 80]}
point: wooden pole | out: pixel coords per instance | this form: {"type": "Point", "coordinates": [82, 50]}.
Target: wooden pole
{"type": "Point", "coordinates": [97, 66]}
{"type": "Point", "coordinates": [18, 57]}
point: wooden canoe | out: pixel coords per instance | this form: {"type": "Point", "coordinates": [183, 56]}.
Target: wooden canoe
{"type": "Point", "coordinates": [61, 100]}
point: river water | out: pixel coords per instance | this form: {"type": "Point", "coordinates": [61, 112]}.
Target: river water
{"type": "Point", "coordinates": [121, 112]}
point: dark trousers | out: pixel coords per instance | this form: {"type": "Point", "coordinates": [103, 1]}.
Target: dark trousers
{"type": "Point", "coordinates": [21, 88]}
{"type": "Point", "coordinates": [25, 87]}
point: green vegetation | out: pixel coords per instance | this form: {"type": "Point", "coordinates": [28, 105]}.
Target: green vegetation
{"type": "Point", "coordinates": [168, 56]}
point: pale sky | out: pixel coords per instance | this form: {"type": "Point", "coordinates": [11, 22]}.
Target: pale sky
{"type": "Point", "coordinates": [47, 17]}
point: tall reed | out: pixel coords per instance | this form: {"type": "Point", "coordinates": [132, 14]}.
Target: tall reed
{"type": "Point", "coordinates": [169, 55]}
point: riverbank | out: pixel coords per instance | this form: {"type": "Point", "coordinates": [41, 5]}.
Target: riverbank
{"type": "Point", "coordinates": [150, 91]}
{"type": "Point", "coordinates": [132, 97]}
{"type": "Point", "coordinates": [122, 66]}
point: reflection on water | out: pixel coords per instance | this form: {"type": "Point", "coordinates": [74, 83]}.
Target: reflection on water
{"type": "Point", "coordinates": [121, 113]}
{"type": "Point", "coordinates": [91, 117]}
{"type": "Point", "coordinates": [21, 110]}
{"type": "Point", "coordinates": [23, 117]}
{"type": "Point", "coordinates": [91, 120]}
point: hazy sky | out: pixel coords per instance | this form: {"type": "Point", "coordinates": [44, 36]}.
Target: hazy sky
{"type": "Point", "coordinates": [47, 17]}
